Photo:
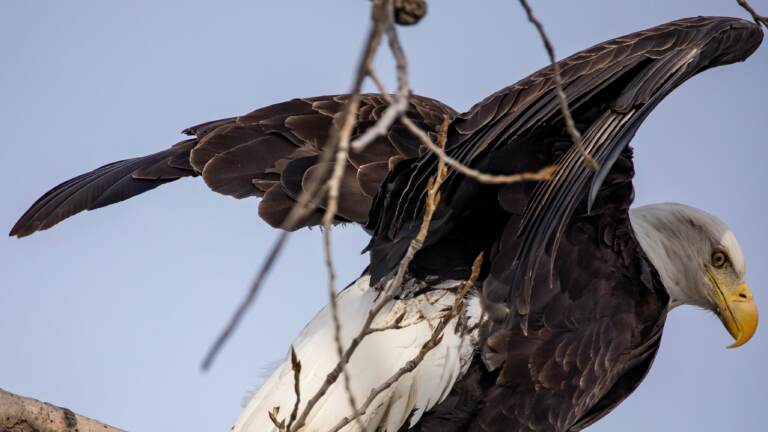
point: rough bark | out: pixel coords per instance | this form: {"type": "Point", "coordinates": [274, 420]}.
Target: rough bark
{"type": "Point", "coordinates": [22, 414]}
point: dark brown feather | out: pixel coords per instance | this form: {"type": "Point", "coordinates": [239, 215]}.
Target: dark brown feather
{"type": "Point", "coordinates": [371, 175]}
{"type": "Point", "coordinates": [103, 186]}
{"type": "Point", "coordinates": [250, 155]}
{"type": "Point", "coordinates": [276, 205]}
{"type": "Point", "coordinates": [353, 203]}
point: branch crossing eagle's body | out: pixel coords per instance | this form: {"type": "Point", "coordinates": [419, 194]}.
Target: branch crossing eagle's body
{"type": "Point", "coordinates": [567, 314]}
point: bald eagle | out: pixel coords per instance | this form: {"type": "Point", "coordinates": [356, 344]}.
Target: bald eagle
{"type": "Point", "coordinates": [568, 311]}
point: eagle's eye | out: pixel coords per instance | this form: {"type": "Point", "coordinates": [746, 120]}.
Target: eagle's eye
{"type": "Point", "coordinates": [719, 259]}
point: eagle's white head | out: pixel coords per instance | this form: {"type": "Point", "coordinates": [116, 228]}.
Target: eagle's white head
{"type": "Point", "coordinates": [700, 263]}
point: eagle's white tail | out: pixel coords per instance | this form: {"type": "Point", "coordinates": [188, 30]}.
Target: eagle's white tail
{"type": "Point", "coordinates": [376, 359]}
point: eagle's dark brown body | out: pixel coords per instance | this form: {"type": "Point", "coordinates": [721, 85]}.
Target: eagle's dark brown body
{"type": "Point", "coordinates": [574, 308]}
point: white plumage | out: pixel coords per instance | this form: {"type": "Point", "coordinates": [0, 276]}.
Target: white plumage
{"type": "Point", "coordinates": [376, 359]}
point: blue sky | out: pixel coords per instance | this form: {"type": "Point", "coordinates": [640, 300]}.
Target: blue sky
{"type": "Point", "coordinates": [110, 313]}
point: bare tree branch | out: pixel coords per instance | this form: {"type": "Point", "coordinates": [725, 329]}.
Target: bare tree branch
{"type": "Point", "coordinates": [396, 108]}
{"type": "Point", "coordinates": [759, 19]}
{"type": "Point", "coordinates": [337, 149]}
{"type": "Point", "coordinates": [545, 173]}
{"type": "Point", "coordinates": [277, 247]}
{"type": "Point", "coordinates": [399, 105]}
{"type": "Point", "coordinates": [333, 375]}
{"type": "Point", "coordinates": [433, 198]}
{"type": "Point", "coordinates": [342, 152]}
{"type": "Point", "coordinates": [383, 11]}
{"type": "Point", "coordinates": [338, 145]}
{"type": "Point", "coordinates": [389, 293]}
{"type": "Point", "coordinates": [296, 367]}
{"type": "Point", "coordinates": [279, 424]}
{"type": "Point", "coordinates": [21, 414]}
{"type": "Point", "coordinates": [429, 345]}
{"type": "Point", "coordinates": [396, 325]}
{"type": "Point", "coordinates": [307, 200]}
{"type": "Point", "coordinates": [570, 125]}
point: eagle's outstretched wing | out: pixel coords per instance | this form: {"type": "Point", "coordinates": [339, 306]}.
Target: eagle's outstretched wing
{"type": "Point", "coordinates": [271, 153]}
{"type": "Point", "coordinates": [611, 89]}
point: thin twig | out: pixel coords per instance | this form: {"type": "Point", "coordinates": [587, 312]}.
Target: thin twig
{"type": "Point", "coordinates": [570, 125]}
{"type": "Point", "coordinates": [429, 345]}
{"type": "Point", "coordinates": [377, 81]}
{"type": "Point", "coordinates": [381, 17]}
{"type": "Point", "coordinates": [273, 417]}
{"type": "Point", "coordinates": [390, 290]}
{"type": "Point", "coordinates": [333, 375]}
{"type": "Point", "coordinates": [541, 175]}
{"type": "Point", "coordinates": [401, 63]}
{"type": "Point", "coordinates": [433, 197]}
{"type": "Point", "coordinates": [296, 367]}
{"type": "Point", "coordinates": [388, 117]}
{"type": "Point", "coordinates": [307, 199]}
{"type": "Point", "coordinates": [383, 13]}
{"type": "Point", "coordinates": [397, 106]}
{"type": "Point", "coordinates": [306, 202]}
{"type": "Point", "coordinates": [396, 325]}
{"type": "Point", "coordinates": [759, 19]}
{"type": "Point", "coordinates": [334, 185]}
{"type": "Point", "coordinates": [433, 192]}
{"type": "Point", "coordinates": [545, 173]}
{"type": "Point", "coordinates": [247, 301]}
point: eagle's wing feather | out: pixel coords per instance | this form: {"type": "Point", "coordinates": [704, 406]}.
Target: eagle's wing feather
{"type": "Point", "coordinates": [248, 156]}
{"type": "Point", "coordinates": [629, 73]}
{"type": "Point", "coordinates": [103, 186]}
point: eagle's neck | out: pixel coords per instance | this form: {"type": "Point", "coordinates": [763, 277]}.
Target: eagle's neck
{"type": "Point", "coordinates": [665, 239]}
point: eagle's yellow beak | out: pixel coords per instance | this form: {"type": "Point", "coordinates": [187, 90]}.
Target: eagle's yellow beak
{"type": "Point", "coordinates": [738, 312]}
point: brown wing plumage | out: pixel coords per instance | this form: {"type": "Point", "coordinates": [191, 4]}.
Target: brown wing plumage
{"type": "Point", "coordinates": [625, 78]}
{"type": "Point", "coordinates": [270, 153]}
{"type": "Point", "coordinates": [105, 185]}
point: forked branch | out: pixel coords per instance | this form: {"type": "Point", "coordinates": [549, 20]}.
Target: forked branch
{"type": "Point", "coordinates": [545, 173]}
{"type": "Point", "coordinates": [429, 345]}
{"type": "Point", "coordinates": [389, 293]}
{"type": "Point", "coordinates": [383, 22]}
{"type": "Point", "coordinates": [308, 198]}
